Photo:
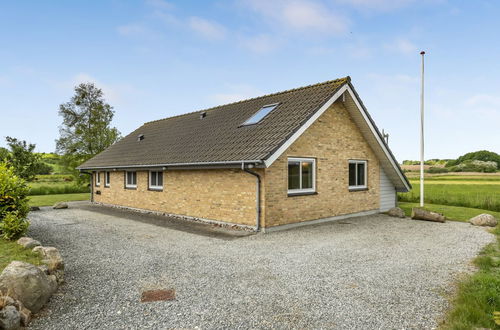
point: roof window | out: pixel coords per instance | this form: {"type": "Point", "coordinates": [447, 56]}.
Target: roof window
{"type": "Point", "coordinates": [140, 137]}
{"type": "Point", "coordinates": [259, 115]}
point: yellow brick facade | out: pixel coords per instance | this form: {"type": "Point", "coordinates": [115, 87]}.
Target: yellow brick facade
{"type": "Point", "coordinates": [229, 194]}
{"type": "Point", "coordinates": [332, 140]}
{"type": "Point", "coordinates": [224, 195]}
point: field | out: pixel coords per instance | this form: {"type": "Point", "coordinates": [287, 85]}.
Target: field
{"type": "Point", "coordinates": [56, 184]}
{"type": "Point", "coordinates": [47, 200]}
{"type": "Point", "coordinates": [471, 191]}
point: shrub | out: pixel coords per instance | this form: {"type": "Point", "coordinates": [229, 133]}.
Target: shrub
{"type": "Point", "coordinates": [475, 166]}
{"type": "Point", "coordinates": [437, 170]}
{"type": "Point", "coordinates": [13, 203]}
{"type": "Point", "coordinates": [12, 226]}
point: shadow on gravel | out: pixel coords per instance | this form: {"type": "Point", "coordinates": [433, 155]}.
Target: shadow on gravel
{"type": "Point", "coordinates": [187, 226]}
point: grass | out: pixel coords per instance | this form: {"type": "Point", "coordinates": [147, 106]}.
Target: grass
{"type": "Point", "coordinates": [463, 191]}
{"type": "Point", "coordinates": [47, 200]}
{"type": "Point", "coordinates": [10, 251]}
{"type": "Point", "coordinates": [56, 184]}
{"type": "Point", "coordinates": [457, 213]}
{"type": "Point", "coordinates": [478, 297]}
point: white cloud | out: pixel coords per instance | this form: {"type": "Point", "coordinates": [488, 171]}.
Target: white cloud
{"type": "Point", "coordinates": [207, 29]}
{"type": "Point", "coordinates": [484, 104]}
{"type": "Point", "coordinates": [380, 5]}
{"type": "Point", "coordinates": [236, 93]}
{"type": "Point", "coordinates": [300, 15]}
{"type": "Point", "coordinates": [260, 44]}
{"type": "Point", "coordinates": [4, 80]}
{"type": "Point", "coordinates": [403, 46]}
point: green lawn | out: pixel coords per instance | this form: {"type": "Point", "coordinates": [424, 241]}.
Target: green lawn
{"type": "Point", "coordinates": [47, 200]}
{"type": "Point", "coordinates": [10, 251]}
{"type": "Point", "coordinates": [451, 212]}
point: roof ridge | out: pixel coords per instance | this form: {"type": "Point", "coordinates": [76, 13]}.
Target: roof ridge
{"type": "Point", "coordinates": [346, 78]}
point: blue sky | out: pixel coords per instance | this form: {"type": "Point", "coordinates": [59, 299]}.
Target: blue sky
{"type": "Point", "coordinates": [155, 59]}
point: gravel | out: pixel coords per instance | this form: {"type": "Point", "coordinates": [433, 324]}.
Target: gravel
{"type": "Point", "coordinates": [372, 272]}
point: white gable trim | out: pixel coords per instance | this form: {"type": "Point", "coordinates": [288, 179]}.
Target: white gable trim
{"type": "Point", "coordinates": [268, 162]}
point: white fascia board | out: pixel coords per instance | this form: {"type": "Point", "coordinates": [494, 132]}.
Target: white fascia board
{"type": "Point", "coordinates": [268, 162]}
{"type": "Point", "coordinates": [377, 136]}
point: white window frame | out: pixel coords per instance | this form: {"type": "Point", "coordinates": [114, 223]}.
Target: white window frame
{"type": "Point", "coordinates": [97, 178]}
{"type": "Point", "coordinates": [129, 185]}
{"type": "Point", "coordinates": [107, 179]}
{"type": "Point", "coordinates": [155, 187]}
{"type": "Point", "coordinates": [300, 190]}
{"type": "Point", "coordinates": [358, 161]}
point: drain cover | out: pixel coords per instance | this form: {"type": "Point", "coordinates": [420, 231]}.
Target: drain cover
{"type": "Point", "coordinates": [158, 295]}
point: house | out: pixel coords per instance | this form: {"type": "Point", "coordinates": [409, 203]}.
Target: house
{"type": "Point", "coordinates": [304, 155]}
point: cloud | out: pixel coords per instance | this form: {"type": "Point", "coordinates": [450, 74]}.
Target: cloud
{"type": "Point", "coordinates": [300, 15]}
{"type": "Point", "coordinates": [484, 104]}
{"type": "Point", "coordinates": [207, 29]}
{"type": "Point", "coordinates": [235, 93]}
{"type": "Point", "coordinates": [135, 30]}
{"type": "Point", "coordinates": [260, 44]}
{"type": "Point", "coordinates": [379, 5]}
{"type": "Point", "coordinates": [403, 46]}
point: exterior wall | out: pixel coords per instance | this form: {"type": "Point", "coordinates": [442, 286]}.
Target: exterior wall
{"type": "Point", "coordinates": [223, 195]}
{"type": "Point", "coordinates": [333, 139]}
{"type": "Point", "coordinates": [387, 192]}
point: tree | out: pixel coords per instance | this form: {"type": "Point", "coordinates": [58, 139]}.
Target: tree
{"type": "Point", "coordinates": [4, 154]}
{"type": "Point", "coordinates": [22, 159]}
{"type": "Point", "coordinates": [86, 129]}
{"type": "Point", "coordinates": [483, 155]}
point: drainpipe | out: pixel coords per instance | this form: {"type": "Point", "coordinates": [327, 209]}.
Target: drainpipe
{"type": "Point", "coordinates": [91, 185]}
{"type": "Point", "coordinates": [258, 207]}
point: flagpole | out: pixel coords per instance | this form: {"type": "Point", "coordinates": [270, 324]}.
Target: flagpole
{"type": "Point", "coordinates": [422, 134]}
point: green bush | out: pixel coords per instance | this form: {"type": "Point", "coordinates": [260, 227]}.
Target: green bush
{"type": "Point", "coordinates": [437, 170]}
{"type": "Point", "coordinates": [13, 203]}
{"type": "Point", "coordinates": [12, 226]}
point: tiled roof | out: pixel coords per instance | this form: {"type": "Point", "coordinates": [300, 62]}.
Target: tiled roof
{"type": "Point", "coordinates": [219, 136]}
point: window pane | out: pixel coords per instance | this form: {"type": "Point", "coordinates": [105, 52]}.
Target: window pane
{"type": "Point", "coordinates": [134, 178]}
{"type": "Point", "coordinates": [153, 178]}
{"type": "Point", "coordinates": [264, 111]}
{"type": "Point", "coordinates": [352, 174]}
{"type": "Point", "coordinates": [293, 175]}
{"type": "Point", "coordinates": [160, 179]}
{"type": "Point", "coordinates": [307, 175]}
{"type": "Point", "coordinates": [129, 177]}
{"type": "Point", "coordinates": [361, 174]}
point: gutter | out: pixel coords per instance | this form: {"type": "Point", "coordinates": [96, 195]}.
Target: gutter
{"type": "Point", "coordinates": [229, 162]}
{"type": "Point", "coordinates": [257, 194]}
{"type": "Point", "coordinates": [91, 185]}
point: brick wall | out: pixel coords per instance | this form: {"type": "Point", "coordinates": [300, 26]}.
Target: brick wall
{"type": "Point", "coordinates": [333, 139]}
{"type": "Point", "coordinates": [223, 195]}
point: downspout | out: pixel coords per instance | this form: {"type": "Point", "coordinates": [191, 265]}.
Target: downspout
{"type": "Point", "coordinates": [91, 184]}
{"type": "Point", "coordinates": [258, 206]}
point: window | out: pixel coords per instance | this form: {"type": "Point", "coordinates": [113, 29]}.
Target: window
{"type": "Point", "coordinates": [130, 179]}
{"type": "Point", "coordinates": [107, 179]}
{"type": "Point", "coordinates": [156, 180]}
{"type": "Point", "coordinates": [259, 115]}
{"type": "Point", "coordinates": [97, 179]}
{"type": "Point", "coordinates": [301, 175]}
{"type": "Point", "coordinates": [357, 174]}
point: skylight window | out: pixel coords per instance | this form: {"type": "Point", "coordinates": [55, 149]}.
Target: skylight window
{"type": "Point", "coordinates": [259, 115]}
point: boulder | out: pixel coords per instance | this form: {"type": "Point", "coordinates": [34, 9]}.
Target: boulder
{"type": "Point", "coordinates": [28, 284]}
{"type": "Point", "coordinates": [9, 318]}
{"type": "Point", "coordinates": [422, 214]}
{"type": "Point", "coordinates": [60, 205]}
{"type": "Point", "coordinates": [396, 212]}
{"type": "Point", "coordinates": [53, 261]}
{"type": "Point", "coordinates": [484, 219]}
{"type": "Point", "coordinates": [28, 242]}
{"type": "Point", "coordinates": [25, 315]}
{"type": "Point", "coordinates": [34, 208]}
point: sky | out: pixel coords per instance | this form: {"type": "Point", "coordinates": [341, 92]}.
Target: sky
{"type": "Point", "coordinates": [155, 59]}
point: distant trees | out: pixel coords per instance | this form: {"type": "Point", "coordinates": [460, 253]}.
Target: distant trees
{"type": "Point", "coordinates": [86, 129]}
{"type": "Point", "coordinates": [482, 155]}
{"type": "Point", "coordinates": [478, 161]}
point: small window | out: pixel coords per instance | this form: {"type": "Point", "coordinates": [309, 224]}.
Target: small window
{"type": "Point", "coordinates": [131, 179]}
{"type": "Point", "coordinates": [357, 174]}
{"type": "Point", "coordinates": [107, 179]}
{"type": "Point", "coordinates": [97, 179]}
{"type": "Point", "coordinates": [259, 115]}
{"type": "Point", "coordinates": [156, 180]}
{"type": "Point", "coordinates": [301, 175]}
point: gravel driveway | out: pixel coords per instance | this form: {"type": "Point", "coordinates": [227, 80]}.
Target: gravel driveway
{"type": "Point", "coordinates": [373, 272]}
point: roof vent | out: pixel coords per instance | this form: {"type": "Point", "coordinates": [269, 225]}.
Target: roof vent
{"type": "Point", "coordinates": [203, 115]}
{"type": "Point", "coordinates": [140, 137]}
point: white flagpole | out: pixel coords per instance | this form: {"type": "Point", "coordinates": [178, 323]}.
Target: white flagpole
{"type": "Point", "coordinates": [422, 135]}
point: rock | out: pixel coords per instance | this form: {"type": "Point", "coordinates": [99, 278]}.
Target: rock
{"type": "Point", "coordinates": [44, 268]}
{"type": "Point", "coordinates": [51, 257]}
{"type": "Point", "coordinates": [8, 301]}
{"type": "Point", "coordinates": [25, 315]}
{"type": "Point", "coordinates": [422, 214]}
{"type": "Point", "coordinates": [34, 208]}
{"type": "Point", "coordinates": [9, 318]}
{"type": "Point", "coordinates": [396, 212]}
{"type": "Point", "coordinates": [60, 205]}
{"type": "Point", "coordinates": [28, 242]}
{"type": "Point", "coordinates": [484, 219]}
{"type": "Point", "coordinates": [28, 284]}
